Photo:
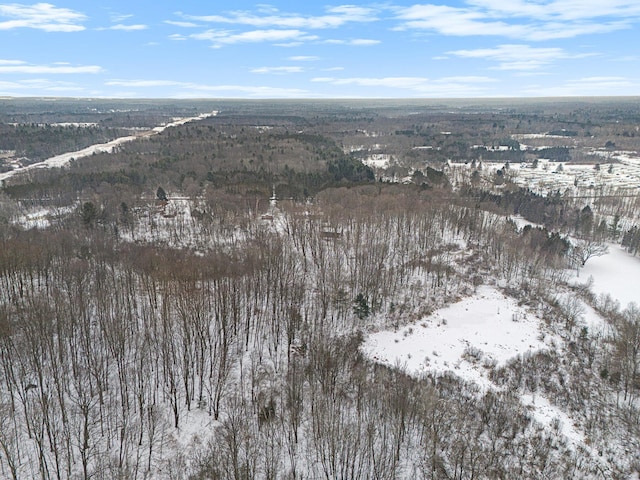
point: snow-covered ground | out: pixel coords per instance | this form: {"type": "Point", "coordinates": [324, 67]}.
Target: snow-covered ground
{"type": "Point", "coordinates": [615, 273]}
{"type": "Point", "coordinates": [65, 158]}
{"type": "Point", "coordinates": [377, 160]}
{"type": "Point", "coordinates": [466, 338]}
{"type": "Point", "coordinates": [617, 169]}
{"type": "Point", "coordinates": [471, 337]}
{"type": "Point", "coordinates": [522, 222]}
{"type": "Point", "coordinates": [547, 414]}
{"type": "Point", "coordinates": [41, 217]}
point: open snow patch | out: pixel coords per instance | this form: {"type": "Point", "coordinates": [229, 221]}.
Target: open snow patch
{"type": "Point", "coordinates": [377, 160]}
{"type": "Point", "coordinates": [467, 338]}
{"type": "Point", "coordinates": [550, 416]}
{"type": "Point", "coordinates": [613, 274]}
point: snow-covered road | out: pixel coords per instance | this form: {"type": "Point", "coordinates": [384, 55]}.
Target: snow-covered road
{"type": "Point", "coordinates": [64, 158]}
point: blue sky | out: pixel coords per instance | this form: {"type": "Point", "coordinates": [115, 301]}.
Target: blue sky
{"type": "Point", "coordinates": [312, 49]}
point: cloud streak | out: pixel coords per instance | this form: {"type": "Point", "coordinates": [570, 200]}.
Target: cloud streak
{"type": "Point", "coordinates": [517, 57]}
{"type": "Point", "coordinates": [527, 20]}
{"type": "Point", "coordinates": [40, 85]}
{"type": "Point", "coordinates": [196, 90]}
{"type": "Point", "coordinates": [335, 17]}
{"type": "Point", "coordinates": [278, 70]}
{"type": "Point", "coordinates": [127, 28]}
{"type": "Point", "coordinates": [419, 86]}
{"type": "Point", "coordinates": [41, 16]}
{"type": "Point", "coordinates": [219, 38]}
{"type": "Point", "coordinates": [24, 68]}
{"type": "Point", "coordinates": [587, 86]}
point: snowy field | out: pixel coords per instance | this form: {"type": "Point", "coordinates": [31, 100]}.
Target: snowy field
{"type": "Point", "coordinates": [471, 337]}
{"type": "Point", "coordinates": [550, 176]}
{"type": "Point", "coordinates": [377, 160]}
{"type": "Point", "coordinates": [467, 338]}
{"type": "Point", "coordinates": [615, 274]}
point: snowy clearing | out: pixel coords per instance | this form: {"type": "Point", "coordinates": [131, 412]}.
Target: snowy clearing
{"type": "Point", "coordinates": [623, 173]}
{"type": "Point", "coordinates": [613, 274]}
{"type": "Point", "coordinates": [41, 218]}
{"type": "Point", "coordinates": [467, 338]}
{"type": "Point", "coordinates": [552, 417]}
{"type": "Point", "coordinates": [522, 222]}
{"type": "Point", "coordinates": [377, 160]}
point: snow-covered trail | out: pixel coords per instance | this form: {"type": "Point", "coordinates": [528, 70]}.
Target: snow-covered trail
{"type": "Point", "coordinates": [64, 158]}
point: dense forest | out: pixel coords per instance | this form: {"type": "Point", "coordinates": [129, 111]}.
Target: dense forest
{"type": "Point", "coordinates": [194, 304]}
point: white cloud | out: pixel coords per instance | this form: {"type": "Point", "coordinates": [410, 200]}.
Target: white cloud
{"type": "Point", "coordinates": [278, 70]}
{"type": "Point", "coordinates": [335, 17]}
{"type": "Point", "coordinates": [566, 10]}
{"type": "Point", "coordinates": [127, 28]}
{"type": "Point", "coordinates": [454, 21]}
{"type": "Point", "coordinates": [252, 91]}
{"type": "Point", "coordinates": [196, 90]}
{"type": "Point", "coordinates": [465, 79]}
{"type": "Point", "coordinates": [393, 82]}
{"type": "Point", "coordinates": [182, 24]}
{"type": "Point", "coordinates": [523, 19]}
{"type": "Point", "coordinates": [357, 42]}
{"type": "Point", "coordinates": [33, 86]}
{"type": "Point", "coordinates": [41, 16]}
{"type": "Point", "coordinates": [48, 69]}
{"type": "Point", "coordinates": [12, 62]}
{"type": "Point", "coordinates": [303, 58]}
{"type": "Point", "coordinates": [517, 57]}
{"type": "Point", "coordinates": [223, 37]}
{"type": "Point", "coordinates": [462, 86]}
{"type": "Point", "coordinates": [587, 86]}
{"type": "Point", "coordinates": [144, 83]}
{"type": "Point", "coordinates": [364, 42]}
{"type": "Point", "coordinates": [119, 17]}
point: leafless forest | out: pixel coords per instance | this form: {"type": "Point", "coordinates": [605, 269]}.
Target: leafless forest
{"type": "Point", "coordinates": [193, 304]}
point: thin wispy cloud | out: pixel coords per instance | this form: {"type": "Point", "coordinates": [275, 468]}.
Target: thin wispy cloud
{"type": "Point", "coordinates": [40, 16]}
{"type": "Point", "coordinates": [219, 38]}
{"type": "Point", "coordinates": [177, 23]}
{"type": "Point", "coordinates": [419, 86]}
{"type": "Point", "coordinates": [333, 18]}
{"type": "Point", "coordinates": [195, 90]}
{"type": "Point", "coordinates": [40, 85]}
{"type": "Point", "coordinates": [561, 10]}
{"type": "Point", "coordinates": [521, 19]}
{"type": "Point", "coordinates": [11, 62]}
{"type": "Point", "coordinates": [587, 86]}
{"type": "Point", "coordinates": [518, 57]}
{"type": "Point", "coordinates": [303, 58]}
{"type": "Point", "coordinates": [120, 17]}
{"type": "Point", "coordinates": [357, 42]}
{"type": "Point", "coordinates": [278, 70]}
{"type": "Point", "coordinates": [144, 83]}
{"type": "Point", "coordinates": [126, 28]}
{"type": "Point", "coordinates": [64, 69]}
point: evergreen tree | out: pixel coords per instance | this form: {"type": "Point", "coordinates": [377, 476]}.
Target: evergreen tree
{"type": "Point", "coordinates": [361, 306]}
{"type": "Point", "coordinates": [161, 194]}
